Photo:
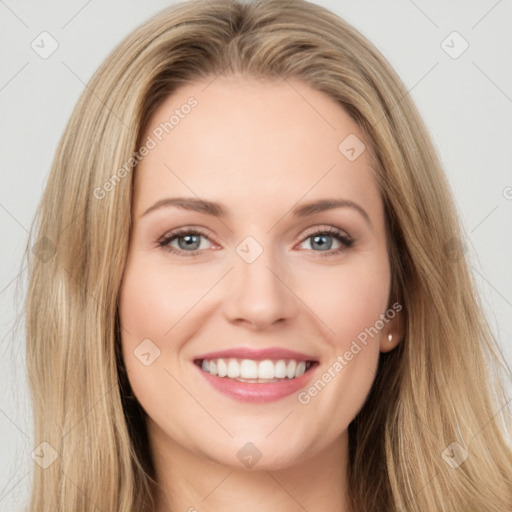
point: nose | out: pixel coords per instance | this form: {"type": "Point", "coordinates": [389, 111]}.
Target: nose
{"type": "Point", "coordinates": [259, 294]}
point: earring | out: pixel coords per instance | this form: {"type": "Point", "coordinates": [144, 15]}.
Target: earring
{"type": "Point", "coordinates": [390, 337]}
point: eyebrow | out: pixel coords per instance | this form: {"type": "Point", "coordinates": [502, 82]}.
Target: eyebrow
{"type": "Point", "coordinates": [216, 209]}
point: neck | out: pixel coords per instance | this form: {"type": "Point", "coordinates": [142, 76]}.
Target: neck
{"type": "Point", "coordinates": [190, 482]}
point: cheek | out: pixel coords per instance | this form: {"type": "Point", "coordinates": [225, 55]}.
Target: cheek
{"type": "Point", "coordinates": [364, 299]}
{"type": "Point", "coordinates": [159, 302]}
{"type": "Point", "coordinates": [154, 297]}
{"type": "Point", "coordinates": [146, 309]}
{"type": "Point", "coordinates": [350, 299]}
{"type": "Point", "coordinates": [352, 309]}
{"type": "Point", "coordinates": [150, 305]}
{"type": "Point", "coordinates": [350, 303]}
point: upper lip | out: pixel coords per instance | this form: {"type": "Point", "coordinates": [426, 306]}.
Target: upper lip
{"type": "Point", "coordinates": [258, 354]}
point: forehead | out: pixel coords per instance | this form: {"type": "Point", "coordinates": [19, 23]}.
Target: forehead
{"type": "Point", "coordinates": [233, 139]}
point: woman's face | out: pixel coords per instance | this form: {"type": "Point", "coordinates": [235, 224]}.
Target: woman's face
{"type": "Point", "coordinates": [258, 249]}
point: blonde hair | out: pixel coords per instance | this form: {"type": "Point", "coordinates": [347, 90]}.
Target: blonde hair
{"type": "Point", "coordinates": [441, 385]}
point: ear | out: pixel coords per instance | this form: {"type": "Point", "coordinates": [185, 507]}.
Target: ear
{"type": "Point", "coordinates": [393, 332]}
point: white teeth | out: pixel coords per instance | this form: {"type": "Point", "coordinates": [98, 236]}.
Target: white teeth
{"type": "Point", "coordinates": [290, 370]}
{"type": "Point", "coordinates": [301, 368]}
{"type": "Point", "coordinates": [222, 369]}
{"type": "Point", "coordinates": [233, 369]}
{"type": "Point", "coordinates": [280, 369]}
{"type": "Point", "coordinates": [249, 369]}
{"type": "Point", "coordinates": [266, 370]}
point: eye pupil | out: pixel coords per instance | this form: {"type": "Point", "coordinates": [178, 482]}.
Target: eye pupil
{"type": "Point", "coordinates": [190, 240]}
{"type": "Point", "coordinates": [320, 240]}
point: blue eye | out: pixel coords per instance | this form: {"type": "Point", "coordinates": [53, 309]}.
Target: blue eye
{"type": "Point", "coordinates": [323, 240]}
{"type": "Point", "coordinates": [189, 241]}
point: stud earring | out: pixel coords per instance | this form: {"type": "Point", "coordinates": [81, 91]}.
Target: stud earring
{"type": "Point", "coordinates": [390, 337]}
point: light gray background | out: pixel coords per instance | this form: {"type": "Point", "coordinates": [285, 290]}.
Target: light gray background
{"type": "Point", "coordinates": [466, 103]}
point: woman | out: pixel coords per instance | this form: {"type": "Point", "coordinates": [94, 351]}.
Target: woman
{"type": "Point", "coordinates": [251, 372]}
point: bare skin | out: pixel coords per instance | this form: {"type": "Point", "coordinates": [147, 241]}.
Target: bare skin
{"type": "Point", "coordinates": [260, 149]}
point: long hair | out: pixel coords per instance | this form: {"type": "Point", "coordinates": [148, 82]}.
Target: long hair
{"type": "Point", "coordinates": [431, 434]}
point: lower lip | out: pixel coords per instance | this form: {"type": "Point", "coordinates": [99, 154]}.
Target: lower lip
{"type": "Point", "coordinates": [254, 392]}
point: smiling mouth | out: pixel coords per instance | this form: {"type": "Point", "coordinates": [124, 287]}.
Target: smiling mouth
{"type": "Point", "coordinates": [255, 371]}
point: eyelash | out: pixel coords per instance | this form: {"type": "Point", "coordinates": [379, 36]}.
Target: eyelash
{"type": "Point", "coordinates": [346, 241]}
